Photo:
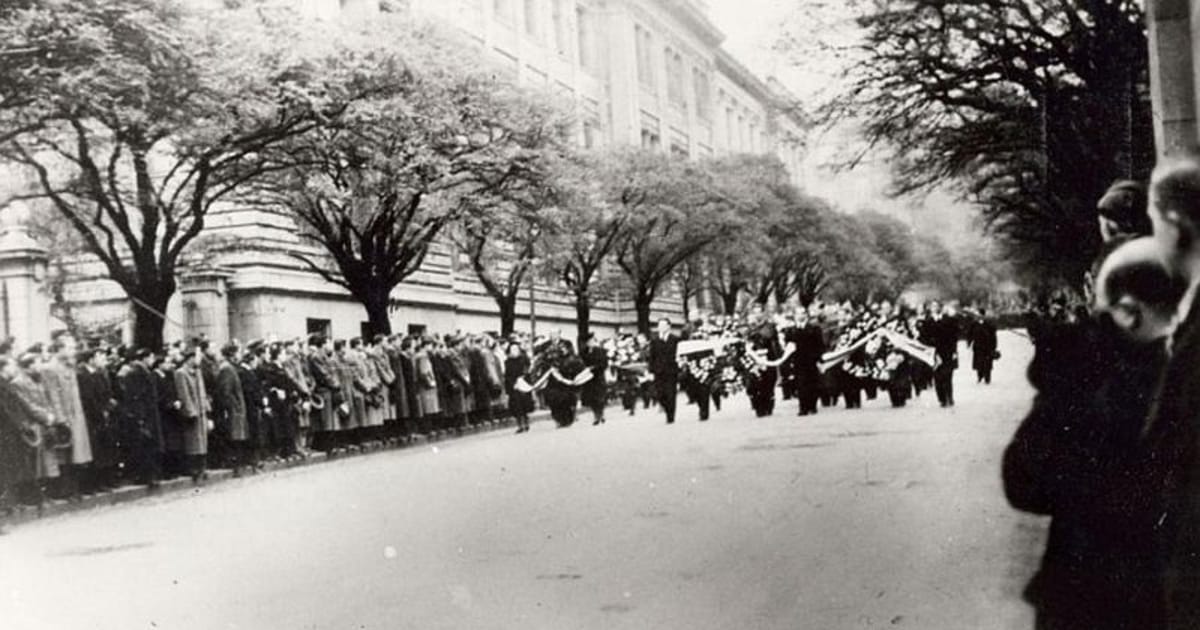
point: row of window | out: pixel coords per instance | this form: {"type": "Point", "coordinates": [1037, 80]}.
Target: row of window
{"type": "Point", "coordinates": [647, 64]}
{"type": "Point", "coordinates": [559, 27]}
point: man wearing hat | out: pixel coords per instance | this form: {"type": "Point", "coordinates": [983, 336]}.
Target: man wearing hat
{"type": "Point", "coordinates": [232, 433]}
{"type": "Point", "coordinates": [141, 425]}
{"type": "Point", "coordinates": [57, 374]}
{"type": "Point", "coordinates": [327, 386]}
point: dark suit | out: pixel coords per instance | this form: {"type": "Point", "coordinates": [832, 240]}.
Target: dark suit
{"type": "Point", "coordinates": [943, 336]}
{"type": "Point", "coordinates": [983, 349]}
{"type": "Point", "coordinates": [1172, 438]}
{"type": "Point", "coordinates": [1079, 458]}
{"type": "Point", "coordinates": [665, 368]}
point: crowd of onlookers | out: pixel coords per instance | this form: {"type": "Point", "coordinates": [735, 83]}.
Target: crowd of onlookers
{"type": "Point", "coordinates": [86, 419]}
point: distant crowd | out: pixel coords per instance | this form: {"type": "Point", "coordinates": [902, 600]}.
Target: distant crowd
{"type": "Point", "coordinates": [87, 417]}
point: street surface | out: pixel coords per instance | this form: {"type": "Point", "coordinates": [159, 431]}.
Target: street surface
{"type": "Point", "coordinates": [861, 519]}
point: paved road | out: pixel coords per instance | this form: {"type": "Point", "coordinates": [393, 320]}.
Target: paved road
{"type": "Point", "coordinates": [866, 519]}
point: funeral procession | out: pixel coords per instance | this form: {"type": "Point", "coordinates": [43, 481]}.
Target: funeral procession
{"type": "Point", "coordinates": [599, 314]}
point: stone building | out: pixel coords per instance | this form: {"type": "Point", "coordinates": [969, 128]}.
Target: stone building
{"type": "Point", "coordinates": [645, 73]}
{"type": "Point", "coordinates": [1174, 48]}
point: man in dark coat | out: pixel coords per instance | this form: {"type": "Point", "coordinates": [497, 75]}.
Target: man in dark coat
{"type": "Point", "coordinates": [481, 384]}
{"type": "Point", "coordinates": [99, 404]}
{"type": "Point", "coordinates": [260, 442]}
{"type": "Point", "coordinates": [1173, 429]}
{"type": "Point", "coordinates": [1080, 457]}
{"type": "Point", "coordinates": [140, 433]}
{"type": "Point", "coordinates": [764, 339]}
{"type": "Point", "coordinates": [664, 366]}
{"type": "Point", "coordinates": [229, 412]}
{"type": "Point", "coordinates": [942, 334]}
{"type": "Point", "coordinates": [809, 343]}
{"type": "Point", "coordinates": [983, 347]}
{"type": "Point", "coordinates": [594, 393]}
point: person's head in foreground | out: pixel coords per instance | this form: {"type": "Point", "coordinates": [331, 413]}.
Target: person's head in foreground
{"type": "Point", "coordinates": [1175, 210]}
{"type": "Point", "coordinates": [1138, 290]}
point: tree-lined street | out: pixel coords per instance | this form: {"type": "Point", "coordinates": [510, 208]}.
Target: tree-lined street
{"type": "Point", "coordinates": [850, 519]}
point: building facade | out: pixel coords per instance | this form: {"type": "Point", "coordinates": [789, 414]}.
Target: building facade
{"type": "Point", "coordinates": [1174, 53]}
{"type": "Point", "coordinates": [647, 73]}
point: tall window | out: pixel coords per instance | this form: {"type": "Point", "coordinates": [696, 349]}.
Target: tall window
{"type": "Point", "coordinates": [584, 35]}
{"type": "Point", "coordinates": [729, 128]}
{"type": "Point", "coordinates": [532, 27]}
{"type": "Point", "coordinates": [701, 94]}
{"type": "Point", "coordinates": [645, 56]}
{"type": "Point", "coordinates": [674, 78]}
{"type": "Point", "coordinates": [559, 19]}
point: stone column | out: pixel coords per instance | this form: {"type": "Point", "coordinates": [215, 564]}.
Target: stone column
{"type": "Point", "coordinates": [205, 294]}
{"type": "Point", "coordinates": [24, 305]}
{"type": "Point", "coordinates": [1172, 74]}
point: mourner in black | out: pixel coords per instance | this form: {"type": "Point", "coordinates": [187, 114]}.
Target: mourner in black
{"type": "Point", "coordinates": [665, 367]}
{"type": "Point", "coordinates": [764, 340]}
{"type": "Point", "coordinates": [809, 343]}
{"type": "Point", "coordinates": [982, 340]}
{"type": "Point", "coordinates": [1173, 429]}
{"type": "Point", "coordinates": [941, 331]}
{"type": "Point", "coordinates": [520, 404]}
{"type": "Point", "coordinates": [1080, 457]}
{"type": "Point", "coordinates": [594, 393]}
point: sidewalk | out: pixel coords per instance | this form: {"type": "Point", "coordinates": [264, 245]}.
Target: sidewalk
{"type": "Point", "coordinates": [125, 494]}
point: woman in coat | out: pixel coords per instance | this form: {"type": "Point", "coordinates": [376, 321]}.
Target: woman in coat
{"type": "Point", "coordinates": [594, 393]}
{"type": "Point", "coordinates": [520, 404]}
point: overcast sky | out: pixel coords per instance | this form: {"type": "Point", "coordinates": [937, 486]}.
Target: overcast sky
{"type": "Point", "coordinates": [752, 27]}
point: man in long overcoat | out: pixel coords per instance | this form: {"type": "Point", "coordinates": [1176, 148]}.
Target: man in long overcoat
{"type": "Point", "coordinates": [809, 343]}
{"type": "Point", "coordinates": [983, 347]}
{"type": "Point", "coordinates": [480, 398]}
{"type": "Point", "coordinates": [664, 365]}
{"type": "Point", "coordinates": [327, 385]}
{"type": "Point", "coordinates": [141, 425]}
{"type": "Point", "coordinates": [99, 401]}
{"type": "Point", "coordinates": [260, 442]}
{"type": "Point", "coordinates": [229, 412]}
{"type": "Point", "coordinates": [20, 463]}
{"type": "Point", "coordinates": [195, 413]}
{"type": "Point", "coordinates": [57, 373]}
{"type": "Point", "coordinates": [942, 331]}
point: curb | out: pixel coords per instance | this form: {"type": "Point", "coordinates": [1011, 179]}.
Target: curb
{"type": "Point", "coordinates": [128, 494]}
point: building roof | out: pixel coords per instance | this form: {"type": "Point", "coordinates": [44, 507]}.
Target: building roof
{"type": "Point", "coordinates": [691, 13]}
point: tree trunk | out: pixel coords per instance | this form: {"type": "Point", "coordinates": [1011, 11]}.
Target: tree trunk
{"type": "Point", "coordinates": [583, 317]}
{"type": "Point", "coordinates": [378, 317]}
{"type": "Point", "coordinates": [508, 314]}
{"type": "Point", "coordinates": [729, 302]}
{"type": "Point", "coordinates": [641, 303]}
{"type": "Point", "coordinates": [149, 309]}
{"type": "Point", "coordinates": [687, 308]}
